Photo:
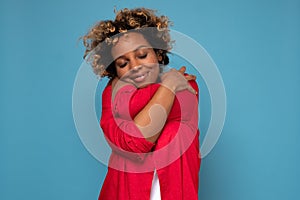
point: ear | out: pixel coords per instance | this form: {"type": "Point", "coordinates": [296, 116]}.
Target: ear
{"type": "Point", "coordinates": [159, 56]}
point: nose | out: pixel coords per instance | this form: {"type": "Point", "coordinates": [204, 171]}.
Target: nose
{"type": "Point", "coordinates": [135, 65]}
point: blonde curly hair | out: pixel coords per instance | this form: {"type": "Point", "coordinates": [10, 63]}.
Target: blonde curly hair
{"type": "Point", "coordinates": [100, 38]}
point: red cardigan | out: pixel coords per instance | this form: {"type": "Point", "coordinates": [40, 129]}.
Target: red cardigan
{"type": "Point", "coordinates": [175, 155]}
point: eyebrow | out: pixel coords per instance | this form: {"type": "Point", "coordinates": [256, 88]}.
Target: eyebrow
{"type": "Point", "coordinates": [138, 48]}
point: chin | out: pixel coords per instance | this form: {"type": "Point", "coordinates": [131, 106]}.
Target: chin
{"type": "Point", "coordinates": [142, 85]}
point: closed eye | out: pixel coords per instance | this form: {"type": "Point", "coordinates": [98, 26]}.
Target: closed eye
{"type": "Point", "coordinates": [123, 65]}
{"type": "Point", "coordinates": [143, 56]}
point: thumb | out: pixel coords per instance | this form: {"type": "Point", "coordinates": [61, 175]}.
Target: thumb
{"type": "Point", "coordinates": [191, 89]}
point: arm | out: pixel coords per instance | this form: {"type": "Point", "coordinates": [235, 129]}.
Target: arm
{"type": "Point", "coordinates": [151, 119]}
{"type": "Point", "coordinates": [125, 133]}
{"type": "Point", "coordinates": [183, 118]}
{"type": "Point", "coordinates": [121, 133]}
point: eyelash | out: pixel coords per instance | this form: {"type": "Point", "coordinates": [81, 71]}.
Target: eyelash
{"type": "Point", "coordinates": [143, 56]}
{"type": "Point", "coordinates": [123, 65]}
{"type": "Point", "coordinates": [140, 57]}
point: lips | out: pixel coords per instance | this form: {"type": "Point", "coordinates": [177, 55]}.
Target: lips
{"type": "Point", "coordinates": [138, 78]}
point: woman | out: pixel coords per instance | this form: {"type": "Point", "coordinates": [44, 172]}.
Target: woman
{"type": "Point", "coordinates": [149, 119]}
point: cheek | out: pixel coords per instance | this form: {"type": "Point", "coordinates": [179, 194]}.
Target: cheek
{"type": "Point", "coordinates": [155, 72]}
{"type": "Point", "coordinates": [120, 71]}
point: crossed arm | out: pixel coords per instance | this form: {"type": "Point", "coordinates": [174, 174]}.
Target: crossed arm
{"type": "Point", "coordinates": [141, 132]}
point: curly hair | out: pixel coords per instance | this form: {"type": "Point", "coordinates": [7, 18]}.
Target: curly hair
{"type": "Point", "coordinates": [100, 38]}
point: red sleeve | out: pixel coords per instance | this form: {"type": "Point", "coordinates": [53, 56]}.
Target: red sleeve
{"type": "Point", "coordinates": [121, 132]}
{"type": "Point", "coordinates": [195, 86]}
{"type": "Point", "coordinates": [182, 119]}
{"type": "Point", "coordinates": [189, 107]}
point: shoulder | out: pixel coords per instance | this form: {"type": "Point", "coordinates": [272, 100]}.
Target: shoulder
{"type": "Point", "coordinates": [107, 90]}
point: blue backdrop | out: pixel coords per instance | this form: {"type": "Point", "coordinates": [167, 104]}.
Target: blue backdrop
{"type": "Point", "coordinates": [255, 44]}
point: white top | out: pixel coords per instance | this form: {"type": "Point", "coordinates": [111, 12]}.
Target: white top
{"type": "Point", "coordinates": [155, 190]}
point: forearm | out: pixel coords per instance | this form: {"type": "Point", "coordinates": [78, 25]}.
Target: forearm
{"type": "Point", "coordinates": [151, 119]}
{"type": "Point", "coordinates": [122, 133]}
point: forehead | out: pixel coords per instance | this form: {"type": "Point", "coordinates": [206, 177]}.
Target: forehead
{"type": "Point", "coordinates": [128, 43]}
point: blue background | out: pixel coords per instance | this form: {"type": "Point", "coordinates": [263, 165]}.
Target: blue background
{"type": "Point", "coordinates": [255, 44]}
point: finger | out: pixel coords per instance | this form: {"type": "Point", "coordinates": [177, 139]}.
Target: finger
{"type": "Point", "coordinates": [182, 69]}
{"type": "Point", "coordinates": [190, 77]}
{"type": "Point", "coordinates": [117, 85]}
{"type": "Point", "coordinates": [191, 89]}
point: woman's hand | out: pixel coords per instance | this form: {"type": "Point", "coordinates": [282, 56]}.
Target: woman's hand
{"type": "Point", "coordinates": [188, 77]}
{"type": "Point", "coordinates": [176, 80]}
{"type": "Point", "coordinates": [116, 85]}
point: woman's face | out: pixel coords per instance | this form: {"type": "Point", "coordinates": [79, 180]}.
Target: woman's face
{"type": "Point", "coordinates": [135, 60]}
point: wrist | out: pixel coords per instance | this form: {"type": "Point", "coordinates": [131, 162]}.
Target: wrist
{"type": "Point", "coordinates": [169, 86]}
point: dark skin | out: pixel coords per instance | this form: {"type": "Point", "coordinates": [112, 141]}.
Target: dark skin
{"type": "Point", "coordinates": [164, 97]}
{"type": "Point", "coordinates": [137, 64]}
